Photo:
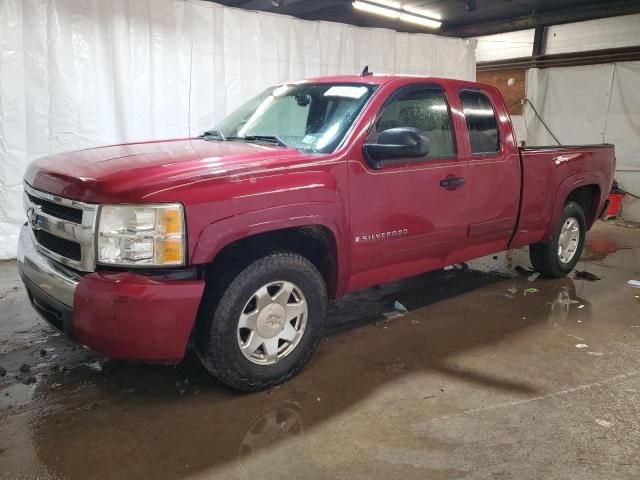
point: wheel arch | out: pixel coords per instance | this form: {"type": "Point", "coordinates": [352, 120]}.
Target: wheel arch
{"type": "Point", "coordinates": [306, 229]}
{"type": "Point", "coordinates": [586, 192]}
{"type": "Point", "coordinates": [314, 242]}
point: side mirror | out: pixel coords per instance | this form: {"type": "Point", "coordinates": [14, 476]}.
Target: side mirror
{"type": "Point", "coordinates": [396, 143]}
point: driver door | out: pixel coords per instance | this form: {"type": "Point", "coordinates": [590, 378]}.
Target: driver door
{"type": "Point", "coordinates": [407, 217]}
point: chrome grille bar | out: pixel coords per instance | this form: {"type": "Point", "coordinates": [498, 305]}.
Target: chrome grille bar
{"type": "Point", "coordinates": [83, 233]}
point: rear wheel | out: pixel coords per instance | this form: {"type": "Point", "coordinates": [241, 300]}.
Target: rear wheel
{"type": "Point", "coordinates": [265, 324]}
{"type": "Point", "coordinates": [557, 258]}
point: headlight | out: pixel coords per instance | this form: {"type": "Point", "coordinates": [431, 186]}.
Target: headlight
{"type": "Point", "coordinates": [141, 235]}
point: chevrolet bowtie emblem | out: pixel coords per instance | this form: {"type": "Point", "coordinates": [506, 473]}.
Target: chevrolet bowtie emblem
{"type": "Point", "coordinates": [32, 216]}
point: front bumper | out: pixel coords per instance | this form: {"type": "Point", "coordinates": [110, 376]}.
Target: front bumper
{"type": "Point", "coordinates": [122, 315]}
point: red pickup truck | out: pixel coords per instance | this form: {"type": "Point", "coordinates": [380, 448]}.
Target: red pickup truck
{"type": "Point", "coordinates": [232, 242]}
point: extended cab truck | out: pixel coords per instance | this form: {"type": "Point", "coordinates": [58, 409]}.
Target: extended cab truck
{"type": "Point", "coordinates": [233, 242]}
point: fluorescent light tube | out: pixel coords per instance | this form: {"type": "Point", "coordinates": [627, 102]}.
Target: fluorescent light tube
{"type": "Point", "coordinates": [422, 12]}
{"type": "Point", "coordinates": [367, 7]}
{"type": "Point", "coordinates": [388, 3]}
{"type": "Point", "coordinates": [426, 22]}
{"type": "Point", "coordinates": [391, 9]}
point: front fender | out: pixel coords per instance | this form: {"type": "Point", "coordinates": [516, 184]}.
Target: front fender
{"type": "Point", "coordinates": [221, 233]}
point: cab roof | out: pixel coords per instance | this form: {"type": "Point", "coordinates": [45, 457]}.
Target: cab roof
{"type": "Point", "coordinates": [381, 79]}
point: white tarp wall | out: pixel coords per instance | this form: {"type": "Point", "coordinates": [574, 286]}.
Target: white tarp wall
{"type": "Point", "coordinates": [591, 104]}
{"type": "Point", "coordinates": [83, 73]}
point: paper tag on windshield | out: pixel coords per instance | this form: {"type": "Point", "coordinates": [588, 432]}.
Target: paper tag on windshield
{"type": "Point", "coordinates": [347, 91]}
{"type": "Point", "coordinates": [308, 139]}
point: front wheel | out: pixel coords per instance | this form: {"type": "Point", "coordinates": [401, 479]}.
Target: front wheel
{"type": "Point", "coordinates": [266, 323]}
{"type": "Point", "coordinates": [557, 258]}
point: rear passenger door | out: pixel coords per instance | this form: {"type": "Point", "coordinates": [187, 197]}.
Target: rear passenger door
{"type": "Point", "coordinates": [405, 218]}
{"type": "Point", "coordinates": [494, 171]}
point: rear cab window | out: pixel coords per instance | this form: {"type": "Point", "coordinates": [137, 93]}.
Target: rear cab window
{"type": "Point", "coordinates": [423, 107]}
{"type": "Point", "coordinates": [481, 122]}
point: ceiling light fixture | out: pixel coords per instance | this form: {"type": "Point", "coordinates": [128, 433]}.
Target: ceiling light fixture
{"type": "Point", "coordinates": [391, 9]}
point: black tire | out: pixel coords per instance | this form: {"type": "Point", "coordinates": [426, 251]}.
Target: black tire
{"type": "Point", "coordinates": [217, 339]}
{"type": "Point", "coordinates": [544, 256]}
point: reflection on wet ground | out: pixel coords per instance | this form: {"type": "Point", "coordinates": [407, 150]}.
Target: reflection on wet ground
{"type": "Point", "coordinates": [489, 375]}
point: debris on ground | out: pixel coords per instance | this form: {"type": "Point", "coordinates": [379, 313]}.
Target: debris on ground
{"type": "Point", "coordinates": [603, 423]}
{"type": "Point", "coordinates": [510, 292]}
{"type": "Point", "coordinates": [595, 354]}
{"type": "Point", "coordinates": [525, 272]}
{"type": "Point", "coordinates": [533, 277]}
{"type": "Point", "coordinates": [583, 274]}
{"type": "Point", "coordinates": [400, 307]}
{"type": "Point", "coordinates": [530, 290]}
{"type": "Point", "coordinates": [581, 306]}
{"type": "Point", "coordinates": [95, 366]}
{"type": "Point", "coordinates": [577, 338]}
{"type": "Point", "coordinates": [180, 389]}
{"type": "Point", "coordinates": [582, 345]}
{"type": "Point", "coordinates": [634, 283]}
{"type": "Point", "coordinates": [3, 372]}
{"type": "Point", "coordinates": [24, 368]}
{"type": "Point", "coordinates": [43, 352]}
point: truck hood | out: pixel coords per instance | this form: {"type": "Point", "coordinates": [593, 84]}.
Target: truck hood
{"type": "Point", "coordinates": [130, 172]}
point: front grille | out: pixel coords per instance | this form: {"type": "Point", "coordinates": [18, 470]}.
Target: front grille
{"type": "Point", "coordinates": [63, 228]}
{"type": "Point", "coordinates": [60, 246]}
{"type": "Point", "coordinates": [56, 210]}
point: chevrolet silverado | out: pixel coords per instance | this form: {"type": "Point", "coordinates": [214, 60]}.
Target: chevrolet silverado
{"type": "Point", "coordinates": [232, 243]}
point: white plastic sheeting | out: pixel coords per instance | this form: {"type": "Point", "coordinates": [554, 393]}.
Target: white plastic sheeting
{"type": "Point", "coordinates": [82, 73]}
{"type": "Point", "coordinates": [590, 104]}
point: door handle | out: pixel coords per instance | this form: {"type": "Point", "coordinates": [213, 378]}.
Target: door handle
{"type": "Point", "coordinates": [451, 182]}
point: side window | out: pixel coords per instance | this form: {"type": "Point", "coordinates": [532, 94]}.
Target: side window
{"type": "Point", "coordinates": [481, 122]}
{"type": "Point", "coordinates": [426, 110]}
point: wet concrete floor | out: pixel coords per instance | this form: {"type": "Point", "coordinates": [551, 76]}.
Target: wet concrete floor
{"type": "Point", "coordinates": [478, 381]}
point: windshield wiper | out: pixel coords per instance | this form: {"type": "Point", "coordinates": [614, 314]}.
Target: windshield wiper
{"type": "Point", "coordinates": [213, 133]}
{"type": "Point", "coordinates": [264, 138]}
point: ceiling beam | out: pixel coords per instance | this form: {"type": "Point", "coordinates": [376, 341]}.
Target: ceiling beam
{"type": "Point", "coordinates": [288, 7]}
{"type": "Point", "coordinates": [543, 18]}
{"type": "Point", "coordinates": [304, 8]}
{"type": "Point", "coordinates": [538, 41]}
{"type": "Point", "coordinates": [591, 57]}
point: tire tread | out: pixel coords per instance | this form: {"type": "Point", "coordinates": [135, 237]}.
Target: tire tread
{"type": "Point", "coordinates": [544, 256]}
{"type": "Point", "coordinates": [219, 306]}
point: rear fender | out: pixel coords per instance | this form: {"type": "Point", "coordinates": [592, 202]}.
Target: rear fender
{"type": "Point", "coordinates": [564, 190]}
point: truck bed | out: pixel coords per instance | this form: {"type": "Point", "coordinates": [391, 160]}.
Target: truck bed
{"type": "Point", "coordinates": [549, 173]}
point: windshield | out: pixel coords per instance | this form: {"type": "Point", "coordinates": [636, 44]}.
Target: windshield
{"type": "Point", "coordinates": [311, 117]}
